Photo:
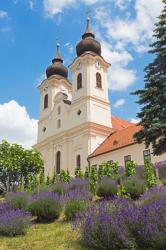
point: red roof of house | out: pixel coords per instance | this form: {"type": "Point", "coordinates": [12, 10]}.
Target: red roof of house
{"type": "Point", "coordinates": [118, 123]}
{"type": "Point", "coordinates": [118, 139]}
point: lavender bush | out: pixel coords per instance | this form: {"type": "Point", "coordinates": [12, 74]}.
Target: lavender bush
{"type": "Point", "coordinates": [152, 195]}
{"type": "Point", "coordinates": [134, 187]}
{"type": "Point", "coordinates": [149, 226]}
{"type": "Point", "coordinates": [76, 201]}
{"type": "Point", "coordinates": [103, 225]}
{"type": "Point", "coordinates": [106, 187]}
{"type": "Point", "coordinates": [18, 200]}
{"type": "Point", "coordinates": [45, 205]}
{"type": "Point", "coordinates": [14, 222]}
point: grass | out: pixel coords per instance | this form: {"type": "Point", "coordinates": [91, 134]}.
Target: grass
{"type": "Point", "coordinates": [50, 236]}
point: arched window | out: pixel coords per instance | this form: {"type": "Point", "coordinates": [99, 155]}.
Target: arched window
{"type": "Point", "coordinates": [98, 80]}
{"type": "Point", "coordinates": [46, 101]}
{"type": "Point", "coordinates": [79, 81]}
{"type": "Point", "coordinates": [58, 123]}
{"type": "Point", "coordinates": [59, 110]}
{"type": "Point", "coordinates": [78, 161]}
{"type": "Point", "coordinates": [58, 162]}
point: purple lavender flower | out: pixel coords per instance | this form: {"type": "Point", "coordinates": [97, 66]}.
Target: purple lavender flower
{"type": "Point", "coordinates": [14, 222]}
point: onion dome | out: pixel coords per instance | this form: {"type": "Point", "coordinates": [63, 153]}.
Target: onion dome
{"type": "Point", "coordinates": [57, 67]}
{"type": "Point", "coordinates": [88, 42]}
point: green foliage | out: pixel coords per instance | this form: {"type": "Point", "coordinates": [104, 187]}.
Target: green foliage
{"type": "Point", "coordinates": [42, 178]}
{"type": "Point", "coordinates": [134, 187]}
{"type": "Point", "coordinates": [45, 209]}
{"type": "Point", "coordinates": [64, 176]}
{"type": "Point", "coordinates": [86, 174]}
{"type": "Point", "coordinates": [153, 98]}
{"type": "Point", "coordinates": [150, 177]}
{"type": "Point", "coordinates": [78, 172]}
{"type": "Point", "coordinates": [17, 163]}
{"type": "Point", "coordinates": [73, 207]}
{"type": "Point", "coordinates": [130, 168]}
{"type": "Point", "coordinates": [107, 169]}
{"type": "Point", "coordinates": [48, 181]}
{"type": "Point", "coordinates": [19, 202]}
{"type": "Point", "coordinates": [93, 177]}
{"type": "Point", "coordinates": [106, 188]}
{"type": "Point", "coordinates": [53, 179]}
{"type": "Point", "coordinates": [67, 176]}
{"type": "Point", "coordinates": [101, 171]}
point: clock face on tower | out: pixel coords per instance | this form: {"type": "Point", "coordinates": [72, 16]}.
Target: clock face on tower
{"type": "Point", "coordinates": [98, 65]}
{"type": "Point", "coordinates": [79, 65]}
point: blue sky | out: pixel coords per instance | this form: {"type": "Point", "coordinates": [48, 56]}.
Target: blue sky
{"type": "Point", "coordinates": [28, 33]}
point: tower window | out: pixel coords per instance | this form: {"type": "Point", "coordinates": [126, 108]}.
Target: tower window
{"type": "Point", "coordinates": [98, 80]}
{"type": "Point", "coordinates": [59, 110]}
{"type": "Point", "coordinates": [79, 81]}
{"type": "Point", "coordinates": [78, 161]}
{"type": "Point", "coordinates": [58, 162]}
{"type": "Point", "coordinates": [58, 123]}
{"type": "Point", "coordinates": [46, 101]}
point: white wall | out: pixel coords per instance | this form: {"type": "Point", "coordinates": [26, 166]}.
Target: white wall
{"type": "Point", "coordinates": [135, 150]}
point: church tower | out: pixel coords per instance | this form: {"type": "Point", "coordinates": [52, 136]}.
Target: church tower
{"type": "Point", "coordinates": [90, 79]}
{"type": "Point", "coordinates": [75, 117]}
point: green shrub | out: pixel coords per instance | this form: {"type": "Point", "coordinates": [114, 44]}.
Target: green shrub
{"type": "Point", "coordinates": [45, 207]}
{"type": "Point", "coordinates": [78, 172]}
{"type": "Point", "coordinates": [134, 187]}
{"type": "Point", "coordinates": [150, 176]}
{"type": "Point", "coordinates": [59, 188]}
{"type": "Point", "coordinates": [73, 207]}
{"type": "Point", "coordinates": [130, 168]}
{"type": "Point", "coordinates": [107, 187]}
{"type": "Point", "coordinates": [64, 176]}
{"type": "Point", "coordinates": [18, 200]}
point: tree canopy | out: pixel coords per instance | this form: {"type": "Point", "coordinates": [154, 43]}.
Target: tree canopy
{"type": "Point", "coordinates": [153, 97]}
{"type": "Point", "coordinates": [18, 164]}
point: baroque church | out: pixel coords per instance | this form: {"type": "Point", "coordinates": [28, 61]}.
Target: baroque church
{"type": "Point", "coordinates": [76, 127]}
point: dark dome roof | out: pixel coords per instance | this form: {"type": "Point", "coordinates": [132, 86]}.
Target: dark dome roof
{"type": "Point", "coordinates": [88, 42]}
{"type": "Point", "coordinates": [57, 67]}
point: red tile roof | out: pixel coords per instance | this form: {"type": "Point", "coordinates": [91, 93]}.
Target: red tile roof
{"type": "Point", "coordinates": [118, 123]}
{"type": "Point", "coordinates": [116, 140]}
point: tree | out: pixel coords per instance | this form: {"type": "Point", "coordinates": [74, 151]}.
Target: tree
{"type": "Point", "coordinates": [153, 97]}
{"type": "Point", "coordinates": [18, 165]}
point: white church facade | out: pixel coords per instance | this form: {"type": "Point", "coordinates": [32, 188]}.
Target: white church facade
{"type": "Point", "coordinates": [75, 118]}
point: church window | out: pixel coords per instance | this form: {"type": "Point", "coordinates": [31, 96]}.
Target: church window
{"type": "Point", "coordinates": [44, 129]}
{"type": "Point", "coordinates": [147, 155]}
{"type": "Point", "coordinates": [78, 161]}
{"type": "Point", "coordinates": [58, 162]}
{"type": "Point", "coordinates": [58, 123]}
{"type": "Point", "coordinates": [59, 110]}
{"type": "Point", "coordinates": [46, 101]}
{"type": "Point", "coordinates": [98, 80]}
{"type": "Point", "coordinates": [79, 112]}
{"type": "Point", "coordinates": [79, 81]}
{"type": "Point", "coordinates": [126, 159]}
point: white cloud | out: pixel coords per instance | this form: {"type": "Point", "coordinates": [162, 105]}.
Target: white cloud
{"type": "Point", "coordinates": [16, 126]}
{"type": "Point", "coordinates": [69, 47]}
{"type": "Point", "coordinates": [3, 14]}
{"type": "Point", "coordinates": [120, 77]}
{"type": "Point", "coordinates": [31, 4]}
{"type": "Point", "coordinates": [53, 7]}
{"type": "Point", "coordinates": [119, 103]}
{"type": "Point", "coordinates": [134, 120]}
